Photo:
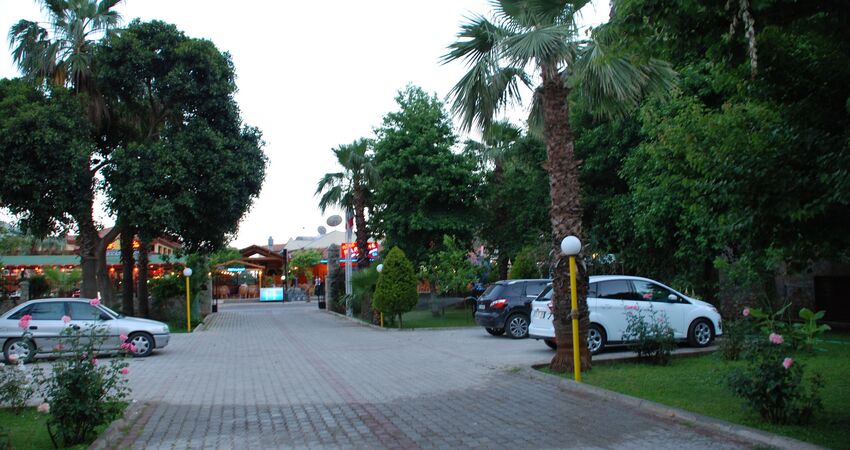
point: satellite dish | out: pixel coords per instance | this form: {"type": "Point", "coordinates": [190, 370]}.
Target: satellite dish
{"type": "Point", "coordinates": [322, 230]}
{"type": "Point", "coordinates": [334, 220]}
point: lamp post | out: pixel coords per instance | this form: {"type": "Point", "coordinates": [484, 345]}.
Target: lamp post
{"type": "Point", "coordinates": [187, 272]}
{"type": "Point", "coordinates": [571, 246]}
{"type": "Point", "coordinates": [380, 269]}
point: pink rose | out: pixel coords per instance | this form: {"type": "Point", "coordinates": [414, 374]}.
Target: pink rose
{"type": "Point", "coordinates": [746, 312]}
{"type": "Point", "coordinates": [94, 302]}
{"type": "Point", "coordinates": [13, 358]}
{"type": "Point", "coordinates": [776, 338]}
{"type": "Point", "coordinates": [66, 319]}
{"type": "Point", "coordinates": [24, 323]}
{"type": "Point", "coordinates": [631, 306]}
{"type": "Point", "coordinates": [132, 348]}
{"type": "Point", "coordinates": [125, 346]}
{"type": "Point", "coordinates": [786, 363]}
{"type": "Point", "coordinates": [60, 346]}
{"type": "Point", "coordinates": [43, 408]}
{"type": "Point", "coordinates": [94, 361]}
{"type": "Point", "coordinates": [124, 371]}
{"type": "Point", "coordinates": [123, 337]}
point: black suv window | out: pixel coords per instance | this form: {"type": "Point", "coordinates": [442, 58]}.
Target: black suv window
{"type": "Point", "coordinates": [614, 289]}
{"type": "Point", "coordinates": [493, 291]}
{"type": "Point", "coordinates": [534, 289]}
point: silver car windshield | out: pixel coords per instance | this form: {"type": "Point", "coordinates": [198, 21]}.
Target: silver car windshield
{"type": "Point", "coordinates": [110, 311]}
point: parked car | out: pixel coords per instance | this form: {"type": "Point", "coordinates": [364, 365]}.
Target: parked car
{"type": "Point", "coordinates": [46, 327]}
{"type": "Point", "coordinates": [611, 297]}
{"type": "Point", "coordinates": [506, 306]}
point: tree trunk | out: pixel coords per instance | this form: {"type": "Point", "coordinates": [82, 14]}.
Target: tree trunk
{"type": "Point", "coordinates": [104, 284]}
{"type": "Point", "coordinates": [127, 263]}
{"type": "Point", "coordinates": [360, 222]}
{"type": "Point", "coordinates": [87, 242]}
{"type": "Point", "coordinates": [432, 297]}
{"type": "Point", "coordinates": [502, 262]}
{"type": "Point", "coordinates": [565, 216]}
{"type": "Point", "coordinates": [144, 304]}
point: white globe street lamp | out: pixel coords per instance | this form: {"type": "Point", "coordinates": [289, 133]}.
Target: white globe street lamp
{"type": "Point", "coordinates": [187, 272]}
{"type": "Point", "coordinates": [380, 268]}
{"type": "Point", "coordinates": [571, 246]}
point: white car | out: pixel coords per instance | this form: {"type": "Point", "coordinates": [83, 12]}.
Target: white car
{"type": "Point", "coordinates": [611, 297]}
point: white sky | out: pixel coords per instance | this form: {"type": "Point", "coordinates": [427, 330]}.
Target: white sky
{"type": "Point", "coordinates": [311, 76]}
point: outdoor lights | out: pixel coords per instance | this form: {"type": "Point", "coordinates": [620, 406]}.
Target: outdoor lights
{"type": "Point", "coordinates": [380, 268]}
{"type": "Point", "coordinates": [570, 246]}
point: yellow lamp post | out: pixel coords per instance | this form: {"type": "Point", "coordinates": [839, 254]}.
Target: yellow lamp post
{"type": "Point", "coordinates": [187, 272]}
{"type": "Point", "coordinates": [380, 269]}
{"type": "Point", "coordinates": [571, 246]}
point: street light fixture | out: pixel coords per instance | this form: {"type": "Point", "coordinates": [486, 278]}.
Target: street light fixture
{"type": "Point", "coordinates": [571, 246]}
{"type": "Point", "coordinates": [187, 272]}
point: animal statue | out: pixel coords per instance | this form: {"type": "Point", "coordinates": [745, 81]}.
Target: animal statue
{"type": "Point", "coordinates": [253, 291]}
{"type": "Point", "coordinates": [243, 290]}
{"type": "Point", "coordinates": [222, 291]}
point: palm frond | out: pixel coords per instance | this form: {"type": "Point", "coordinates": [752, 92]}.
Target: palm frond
{"type": "Point", "coordinates": [537, 13]}
{"type": "Point", "coordinates": [613, 84]}
{"type": "Point", "coordinates": [477, 39]}
{"type": "Point", "coordinates": [549, 45]}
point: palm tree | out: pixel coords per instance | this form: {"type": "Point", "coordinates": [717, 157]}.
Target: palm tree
{"type": "Point", "coordinates": [542, 35]}
{"type": "Point", "coordinates": [351, 189]}
{"type": "Point", "coordinates": [62, 57]}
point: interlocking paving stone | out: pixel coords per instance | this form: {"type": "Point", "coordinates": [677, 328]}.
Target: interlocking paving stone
{"type": "Point", "coordinates": [292, 376]}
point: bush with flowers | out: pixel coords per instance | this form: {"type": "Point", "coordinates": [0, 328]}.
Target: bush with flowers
{"type": "Point", "coordinates": [81, 391]}
{"type": "Point", "coordinates": [773, 382]}
{"type": "Point", "coordinates": [650, 335]}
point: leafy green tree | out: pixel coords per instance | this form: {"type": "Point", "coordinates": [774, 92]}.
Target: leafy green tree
{"type": "Point", "coordinates": [448, 270]}
{"type": "Point", "coordinates": [514, 200]}
{"type": "Point", "coordinates": [352, 189]}
{"type": "Point", "coordinates": [525, 265]}
{"type": "Point", "coordinates": [426, 190]}
{"type": "Point", "coordinates": [63, 281]}
{"type": "Point", "coordinates": [543, 34]}
{"type": "Point", "coordinates": [301, 264]}
{"type": "Point", "coordinates": [395, 293]}
{"type": "Point", "coordinates": [173, 97]}
{"type": "Point", "coordinates": [61, 57]}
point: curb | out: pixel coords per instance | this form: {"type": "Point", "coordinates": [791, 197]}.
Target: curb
{"type": "Point", "coordinates": [402, 330]}
{"type": "Point", "coordinates": [711, 424]}
{"type": "Point", "coordinates": [117, 430]}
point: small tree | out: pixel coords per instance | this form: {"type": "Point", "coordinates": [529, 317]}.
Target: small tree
{"type": "Point", "coordinates": [396, 290]}
{"type": "Point", "coordinates": [524, 265]}
{"type": "Point", "coordinates": [302, 264]}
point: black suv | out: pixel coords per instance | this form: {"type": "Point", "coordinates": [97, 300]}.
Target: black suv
{"type": "Point", "coordinates": [506, 306]}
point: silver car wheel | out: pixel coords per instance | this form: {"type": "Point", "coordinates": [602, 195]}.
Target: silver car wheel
{"type": "Point", "coordinates": [594, 340]}
{"type": "Point", "coordinates": [142, 344]}
{"type": "Point", "coordinates": [702, 333]}
{"type": "Point", "coordinates": [518, 326]}
{"type": "Point", "coordinates": [21, 349]}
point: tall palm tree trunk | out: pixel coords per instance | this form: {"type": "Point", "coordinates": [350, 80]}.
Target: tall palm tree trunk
{"type": "Point", "coordinates": [360, 222]}
{"type": "Point", "coordinates": [565, 215]}
{"type": "Point", "coordinates": [127, 263]}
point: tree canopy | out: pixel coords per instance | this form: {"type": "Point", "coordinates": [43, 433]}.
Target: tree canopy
{"type": "Point", "coordinates": [426, 190]}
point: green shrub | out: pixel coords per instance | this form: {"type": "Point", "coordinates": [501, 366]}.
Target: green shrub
{"type": "Point", "coordinates": [650, 336]}
{"type": "Point", "coordinates": [395, 293]}
{"type": "Point", "coordinates": [83, 392]}
{"type": "Point", "coordinates": [17, 385]}
{"type": "Point", "coordinates": [524, 265]}
{"type": "Point", "coordinates": [773, 384]}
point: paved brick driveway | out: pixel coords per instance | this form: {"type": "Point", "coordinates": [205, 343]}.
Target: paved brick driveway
{"type": "Point", "coordinates": [271, 376]}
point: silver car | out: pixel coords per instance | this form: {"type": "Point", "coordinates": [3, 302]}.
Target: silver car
{"type": "Point", "coordinates": [46, 327]}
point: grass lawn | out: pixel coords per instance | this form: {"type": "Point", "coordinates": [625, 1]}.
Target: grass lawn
{"type": "Point", "coordinates": [696, 384]}
{"type": "Point", "coordinates": [29, 429]}
{"type": "Point", "coordinates": [179, 326]}
{"type": "Point", "coordinates": [424, 319]}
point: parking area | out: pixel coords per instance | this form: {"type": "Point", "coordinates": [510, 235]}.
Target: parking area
{"type": "Point", "coordinates": [289, 375]}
